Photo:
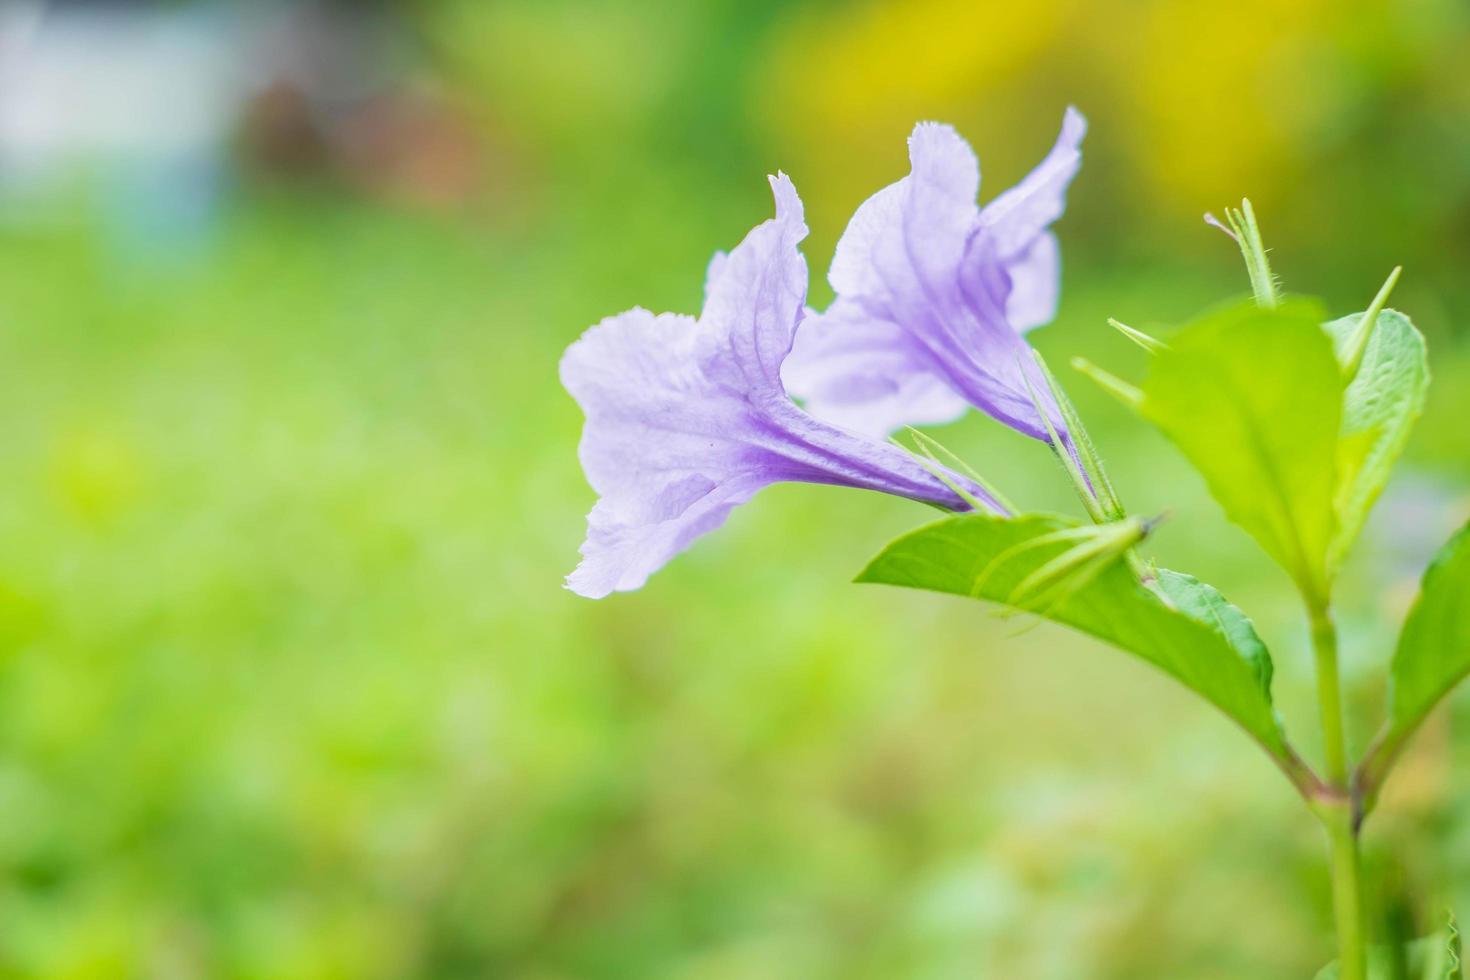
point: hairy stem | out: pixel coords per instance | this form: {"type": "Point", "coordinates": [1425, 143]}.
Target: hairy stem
{"type": "Point", "coordinates": [1263, 282]}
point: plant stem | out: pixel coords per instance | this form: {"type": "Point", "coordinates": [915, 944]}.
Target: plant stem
{"type": "Point", "coordinates": [1347, 894]}
{"type": "Point", "coordinates": [1337, 812]}
{"type": "Point", "coordinates": [1329, 697]}
{"type": "Point", "coordinates": [1263, 283]}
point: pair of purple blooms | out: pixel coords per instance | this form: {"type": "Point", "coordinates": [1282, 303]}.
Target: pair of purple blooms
{"type": "Point", "coordinates": [688, 418]}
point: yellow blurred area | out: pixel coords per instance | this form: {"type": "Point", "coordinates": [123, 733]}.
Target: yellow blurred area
{"type": "Point", "coordinates": [842, 92]}
{"type": "Point", "coordinates": [1201, 100]}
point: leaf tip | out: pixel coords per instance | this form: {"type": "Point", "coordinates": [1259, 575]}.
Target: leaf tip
{"type": "Point", "coordinates": [1128, 394]}
{"type": "Point", "coordinates": [1151, 344]}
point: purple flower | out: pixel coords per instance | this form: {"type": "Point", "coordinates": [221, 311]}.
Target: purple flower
{"type": "Point", "coordinates": [933, 294]}
{"type": "Point", "coordinates": [686, 419]}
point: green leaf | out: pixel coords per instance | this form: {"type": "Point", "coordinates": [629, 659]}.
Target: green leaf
{"type": "Point", "coordinates": [1380, 406]}
{"type": "Point", "coordinates": [1193, 634]}
{"type": "Point", "coordinates": [1204, 603]}
{"type": "Point", "coordinates": [1435, 957]}
{"type": "Point", "coordinates": [1433, 653]}
{"type": "Point", "coordinates": [1253, 398]}
{"type": "Point", "coordinates": [1446, 963]}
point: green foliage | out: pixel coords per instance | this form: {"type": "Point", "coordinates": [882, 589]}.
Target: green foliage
{"type": "Point", "coordinates": [1435, 957]}
{"type": "Point", "coordinates": [1448, 953]}
{"type": "Point", "coordinates": [1253, 398]}
{"type": "Point", "coordinates": [1204, 603]}
{"type": "Point", "coordinates": [1249, 395]}
{"type": "Point", "coordinates": [1433, 653]}
{"type": "Point", "coordinates": [288, 688]}
{"type": "Point", "coordinates": [1187, 629]}
{"type": "Point", "coordinates": [1382, 402]}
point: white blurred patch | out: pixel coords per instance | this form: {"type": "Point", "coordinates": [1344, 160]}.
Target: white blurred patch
{"type": "Point", "coordinates": [126, 86]}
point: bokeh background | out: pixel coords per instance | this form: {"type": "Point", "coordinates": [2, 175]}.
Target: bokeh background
{"type": "Point", "coordinates": [289, 687]}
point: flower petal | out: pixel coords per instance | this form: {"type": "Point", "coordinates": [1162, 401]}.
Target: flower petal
{"type": "Point", "coordinates": [915, 273]}
{"type": "Point", "coordinates": [866, 374]}
{"type": "Point", "coordinates": [876, 256]}
{"type": "Point", "coordinates": [755, 297]}
{"type": "Point", "coordinates": [688, 419]}
{"type": "Point", "coordinates": [648, 407]}
{"type": "Point", "coordinates": [654, 446]}
{"type": "Point", "coordinates": [1035, 284]}
{"type": "Point", "coordinates": [1018, 216]}
{"type": "Point", "coordinates": [619, 554]}
{"type": "Point", "coordinates": [713, 271]}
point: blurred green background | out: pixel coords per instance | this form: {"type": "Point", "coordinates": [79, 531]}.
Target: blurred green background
{"type": "Point", "coordinates": [289, 687]}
